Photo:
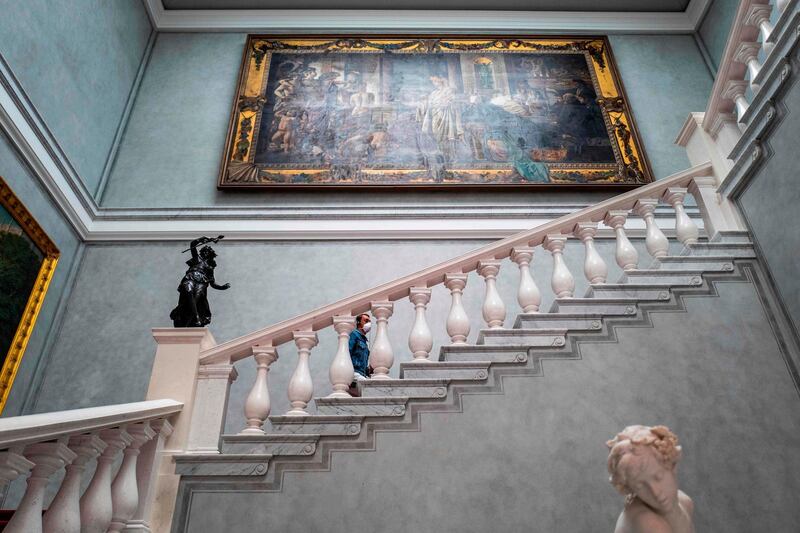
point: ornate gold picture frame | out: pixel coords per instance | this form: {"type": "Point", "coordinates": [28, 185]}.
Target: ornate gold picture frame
{"type": "Point", "coordinates": [28, 261]}
{"type": "Point", "coordinates": [411, 111]}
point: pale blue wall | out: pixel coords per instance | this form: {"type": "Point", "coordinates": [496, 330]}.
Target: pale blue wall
{"type": "Point", "coordinates": [77, 61]}
{"type": "Point", "coordinates": [770, 201]}
{"type": "Point", "coordinates": [715, 27]}
{"type": "Point", "coordinates": [171, 150]}
{"type": "Point", "coordinates": [27, 189]}
{"type": "Point", "coordinates": [665, 78]}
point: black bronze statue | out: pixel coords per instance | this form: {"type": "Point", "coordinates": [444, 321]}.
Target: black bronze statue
{"type": "Point", "coordinates": [192, 310]}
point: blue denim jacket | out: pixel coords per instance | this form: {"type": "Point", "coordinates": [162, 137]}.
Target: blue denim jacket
{"type": "Point", "coordinates": [359, 352]}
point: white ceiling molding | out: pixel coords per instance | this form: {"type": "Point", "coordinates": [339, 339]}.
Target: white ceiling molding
{"type": "Point", "coordinates": [428, 21]}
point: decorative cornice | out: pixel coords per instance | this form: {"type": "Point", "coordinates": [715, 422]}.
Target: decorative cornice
{"type": "Point", "coordinates": [200, 336]}
{"type": "Point", "coordinates": [688, 128]}
{"type": "Point", "coordinates": [414, 21]}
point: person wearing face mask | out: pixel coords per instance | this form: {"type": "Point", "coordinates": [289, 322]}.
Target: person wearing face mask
{"type": "Point", "coordinates": [359, 348]}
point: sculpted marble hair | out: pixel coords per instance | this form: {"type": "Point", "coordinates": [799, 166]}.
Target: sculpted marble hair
{"type": "Point", "coordinates": [632, 441]}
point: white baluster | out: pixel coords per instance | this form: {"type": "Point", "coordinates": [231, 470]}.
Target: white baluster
{"type": "Point", "coordinates": [125, 488]}
{"type": "Point", "coordinates": [594, 267]}
{"type": "Point", "coordinates": [12, 465]}
{"type": "Point", "coordinates": [758, 15]}
{"type": "Point", "coordinates": [301, 386]}
{"type": "Point", "coordinates": [341, 372]}
{"type": "Point", "coordinates": [47, 458]}
{"type": "Point", "coordinates": [685, 229]}
{"type": "Point", "coordinates": [494, 310]}
{"type": "Point", "coordinates": [381, 356]}
{"type": "Point", "coordinates": [257, 406]}
{"type": "Point", "coordinates": [563, 283]}
{"type": "Point", "coordinates": [147, 473]}
{"type": "Point", "coordinates": [657, 244]}
{"type": "Point", "coordinates": [747, 53]}
{"type": "Point", "coordinates": [626, 255]}
{"type": "Point", "coordinates": [420, 340]}
{"type": "Point", "coordinates": [96, 505]}
{"type": "Point", "coordinates": [528, 295]}
{"type": "Point", "coordinates": [734, 90]}
{"type": "Point", "coordinates": [457, 319]}
{"type": "Point", "coordinates": [64, 513]}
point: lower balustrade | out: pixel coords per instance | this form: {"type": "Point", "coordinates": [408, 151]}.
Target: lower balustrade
{"type": "Point", "coordinates": [39, 446]}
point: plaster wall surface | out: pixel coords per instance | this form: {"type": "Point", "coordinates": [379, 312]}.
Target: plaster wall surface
{"type": "Point", "coordinates": [770, 200]}
{"type": "Point", "coordinates": [172, 147]}
{"type": "Point", "coordinates": [533, 458]}
{"type": "Point", "coordinates": [77, 62]}
{"type": "Point", "coordinates": [36, 200]}
{"type": "Point", "coordinates": [122, 291]}
{"type": "Point", "coordinates": [716, 26]}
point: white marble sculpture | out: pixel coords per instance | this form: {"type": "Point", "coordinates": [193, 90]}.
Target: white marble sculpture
{"type": "Point", "coordinates": [642, 463]}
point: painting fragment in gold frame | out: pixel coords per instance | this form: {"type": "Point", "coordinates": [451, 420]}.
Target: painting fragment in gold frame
{"type": "Point", "coordinates": [28, 258]}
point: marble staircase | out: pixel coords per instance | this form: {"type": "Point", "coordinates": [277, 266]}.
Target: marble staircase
{"type": "Point", "coordinates": [306, 443]}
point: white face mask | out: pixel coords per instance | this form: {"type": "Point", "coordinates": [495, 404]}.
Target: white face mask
{"type": "Point", "coordinates": [367, 327]}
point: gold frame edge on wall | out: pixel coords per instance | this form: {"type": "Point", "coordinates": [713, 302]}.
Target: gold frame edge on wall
{"type": "Point", "coordinates": [36, 297]}
{"type": "Point", "coordinates": [632, 167]}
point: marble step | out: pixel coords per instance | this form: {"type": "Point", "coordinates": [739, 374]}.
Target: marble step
{"type": "Point", "coordinates": [316, 424]}
{"type": "Point", "coordinates": [493, 354]}
{"type": "Point", "coordinates": [638, 291]}
{"type": "Point", "coordinates": [451, 370]}
{"type": "Point", "coordinates": [730, 236]}
{"type": "Point", "coordinates": [365, 406]}
{"type": "Point", "coordinates": [707, 263]}
{"type": "Point", "coordinates": [568, 321]}
{"type": "Point", "coordinates": [740, 250]}
{"type": "Point", "coordinates": [603, 306]}
{"type": "Point", "coordinates": [409, 388]}
{"type": "Point", "coordinates": [663, 277]}
{"type": "Point", "coordinates": [218, 464]}
{"type": "Point", "coordinates": [529, 337]}
{"type": "Point", "coordinates": [305, 444]}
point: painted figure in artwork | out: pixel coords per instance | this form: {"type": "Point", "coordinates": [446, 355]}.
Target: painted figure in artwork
{"type": "Point", "coordinates": [192, 310]}
{"type": "Point", "coordinates": [642, 463]}
{"type": "Point", "coordinates": [440, 117]}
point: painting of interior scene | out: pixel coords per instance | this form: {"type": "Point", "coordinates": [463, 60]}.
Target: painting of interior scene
{"type": "Point", "coordinates": [331, 114]}
{"type": "Point", "coordinates": [20, 261]}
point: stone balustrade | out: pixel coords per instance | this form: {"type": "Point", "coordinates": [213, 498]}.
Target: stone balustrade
{"type": "Point", "coordinates": [487, 262]}
{"type": "Point", "coordinates": [39, 446]}
{"type": "Point", "coordinates": [738, 82]}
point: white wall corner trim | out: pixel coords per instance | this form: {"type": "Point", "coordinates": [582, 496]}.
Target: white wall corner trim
{"type": "Point", "coordinates": [410, 21]}
{"type": "Point", "coordinates": [29, 135]}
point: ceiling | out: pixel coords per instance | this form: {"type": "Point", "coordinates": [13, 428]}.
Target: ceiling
{"type": "Point", "coordinates": [663, 6]}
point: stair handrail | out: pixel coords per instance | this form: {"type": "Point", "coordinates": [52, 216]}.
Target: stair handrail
{"type": "Point", "coordinates": [27, 429]}
{"type": "Point", "coordinates": [322, 317]}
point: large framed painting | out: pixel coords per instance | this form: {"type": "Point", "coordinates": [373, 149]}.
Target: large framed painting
{"type": "Point", "coordinates": [431, 112]}
{"type": "Point", "coordinates": [28, 260]}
